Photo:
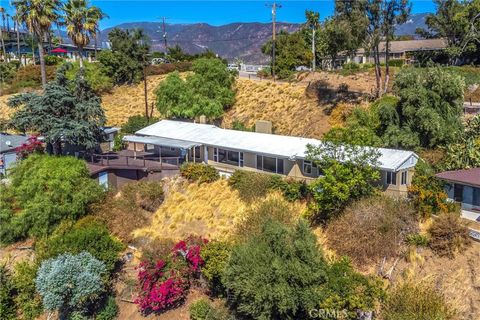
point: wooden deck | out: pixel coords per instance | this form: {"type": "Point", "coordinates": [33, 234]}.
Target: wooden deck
{"type": "Point", "coordinates": [127, 159]}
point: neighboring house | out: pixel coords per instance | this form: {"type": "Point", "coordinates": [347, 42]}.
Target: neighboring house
{"type": "Point", "coordinates": [463, 186]}
{"type": "Point", "coordinates": [399, 50]}
{"type": "Point", "coordinates": [230, 150]}
{"type": "Point", "coordinates": [8, 156]}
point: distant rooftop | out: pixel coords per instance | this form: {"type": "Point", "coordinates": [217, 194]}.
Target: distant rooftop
{"type": "Point", "coordinates": [465, 176]}
{"type": "Point", "coordinates": [412, 45]}
{"type": "Point", "coordinates": [11, 141]}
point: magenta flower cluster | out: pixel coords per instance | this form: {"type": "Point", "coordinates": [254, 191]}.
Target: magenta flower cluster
{"type": "Point", "coordinates": [164, 284]}
{"type": "Point", "coordinates": [32, 145]}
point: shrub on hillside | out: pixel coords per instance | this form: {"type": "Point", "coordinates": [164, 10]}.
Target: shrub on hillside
{"type": "Point", "coordinates": [95, 74]}
{"type": "Point", "coordinates": [87, 235]}
{"type": "Point", "coordinates": [199, 172]}
{"type": "Point", "coordinates": [109, 310]}
{"type": "Point", "coordinates": [449, 235]}
{"type": "Point", "coordinates": [281, 274]}
{"type": "Point", "coordinates": [53, 60]}
{"type": "Point", "coordinates": [379, 231]}
{"type": "Point", "coordinates": [27, 299]}
{"type": "Point", "coordinates": [147, 195]}
{"type": "Point", "coordinates": [291, 189]}
{"type": "Point", "coordinates": [126, 211]}
{"type": "Point", "coordinates": [396, 63]}
{"type": "Point", "coordinates": [7, 305]}
{"type": "Point", "coordinates": [29, 76]}
{"type": "Point", "coordinates": [250, 185]}
{"type": "Point", "coordinates": [416, 301]}
{"type": "Point", "coordinates": [216, 255]}
{"type": "Point", "coordinates": [43, 191]}
{"type": "Point", "coordinates": [203, 309]}
{"type": "Point", "coordinates": [70, 282]}
{"type": "Point", "coordinates": [135, 123]}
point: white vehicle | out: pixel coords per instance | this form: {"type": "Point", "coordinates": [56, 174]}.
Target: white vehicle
{"type": "Point", "coordinates": [233, 66]}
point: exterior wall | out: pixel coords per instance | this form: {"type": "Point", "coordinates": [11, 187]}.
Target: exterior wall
{"type": "Point", "coordinates": [398, 189]}
{"type": "Point", "coordinates": [469, 198]}
{"type": "Point", "coordinates": [136, 146]}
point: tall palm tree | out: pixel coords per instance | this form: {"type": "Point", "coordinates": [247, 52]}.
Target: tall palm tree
{"type": "Point", "coordinates": [82, 23]}
{"type": "Point", "coordinates": [38, 16]}
{"type": "Point", "coordinates": [2, 12]}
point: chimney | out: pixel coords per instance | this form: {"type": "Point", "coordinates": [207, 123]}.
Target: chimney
{"type": "Point", "coordinates": [202, 119]}
{"type": "Point", "coordinates": [263, 126]}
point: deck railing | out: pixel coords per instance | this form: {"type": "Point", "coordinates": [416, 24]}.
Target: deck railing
{"type": "Point", "coordinates": [145, 161]}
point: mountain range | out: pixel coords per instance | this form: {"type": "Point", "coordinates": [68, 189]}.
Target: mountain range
{"type": "Point", "coordinates": [230, 41]}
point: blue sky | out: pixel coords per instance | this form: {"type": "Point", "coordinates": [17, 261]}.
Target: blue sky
{"type": "Point", "coordinates": [218, 12]}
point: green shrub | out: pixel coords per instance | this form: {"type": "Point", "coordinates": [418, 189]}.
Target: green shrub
{"type": "Point", "coordinates": [147, 195]}
{"type": "Point", "coordinates": [86, 235]}
{"type": "Point", "coordinates": [7, 304]}
{"type": "Point", "coordinates": [351, 66]}
{"type": "Point", "coordinates": [45, 190]}
{"type": "Point", "coordinates": [416, 301]}
{"type": "Point", "coordinates": [200, 310]}
{"type": "Point", "coordinates": [240, 126]}
{"type": "Point", "coordinates": [216, 255]}
{"type": "Point", "coordinates": [396, 63]}
{"type": "Point", "coordinates": [135, 123]}
{"type": "Point", "coordinates": [95, 74]}
{"type": "Point", "coordinates": [291, 189]}
{"type": "Point", "coordinates": [449, 235]}
{"type": "Point", "coordinates": [109, 311]}
{"type": "Point", "coordinates": [417, 240]}
{"type": "Point", "coordinates": [29, 76]}
{"type": "Point", "coordinates": [53, 60]}
{"type": "Point", "coordinates": [199, 172]}
{"type": "Point", "coordinates": [27, 299]}
{"type": "Point", "coordinates": [250, 185]}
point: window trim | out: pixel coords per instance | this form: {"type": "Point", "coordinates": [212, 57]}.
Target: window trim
{"type": "Point", "coordinates": [404, 178]}
{"type": "Point", "coordinates": [392, 176]}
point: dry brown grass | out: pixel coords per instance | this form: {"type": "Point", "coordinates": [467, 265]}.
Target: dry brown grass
{"type": "Point", "coordinates": [284, 104]}
{"type": "Point", "coordinates": [5, 111]}
{"type": "Point", "coordinates": [212, 210]}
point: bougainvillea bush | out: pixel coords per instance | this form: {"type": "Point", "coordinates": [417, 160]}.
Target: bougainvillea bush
{"type": "Point", "coordinates": [32, 145]}
{"type": "Point", "coordinates": [164, 284]}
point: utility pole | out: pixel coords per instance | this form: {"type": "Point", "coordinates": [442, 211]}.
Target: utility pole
{"type": "Point", "coordinates": [164, 33]}
{"type": "Point", "coordinates": [314, 62]}
{"type": "Point", "coordinates": [274, 7]}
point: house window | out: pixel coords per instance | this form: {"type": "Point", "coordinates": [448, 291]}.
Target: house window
{"type": "Point", "coordinates": [228, 157]}
{"type": "Point", "coordinates": [197, 152]}
{"type": "Point", "coordinates": [404, 177]}
{"type": "Point", "coordinates": [241, 159]}
{"type": "Point", "coordinates": [215, 154]}
{"type": "Point", "coordinates": [270, 164]}
{"type": "Point", "coordinates": [308, 166]}
{"type": "Point", "coordinates": [391, 178]}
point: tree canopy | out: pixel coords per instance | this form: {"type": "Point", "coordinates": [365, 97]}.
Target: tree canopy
{"type": "Point", "coordinates": [67, 111]}
{"type": "Point", "coordinates": [281, 274]}
{"type": "Point", "coordinates": [208, 91]}
{"type": "Point", "coordinates": [44, 190]}
{"type": "Point", "coordinates": [125, 60]}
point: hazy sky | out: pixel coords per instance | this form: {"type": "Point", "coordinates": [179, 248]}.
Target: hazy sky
{"type": "Point", "coordinates": [217, 12]}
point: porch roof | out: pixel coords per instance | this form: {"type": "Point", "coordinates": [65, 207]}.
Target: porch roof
{"type": "Point", "coordinates": [159, 141]}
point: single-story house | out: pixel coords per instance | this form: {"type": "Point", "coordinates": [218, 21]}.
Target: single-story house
{"type": "Point", "coordinates": [229, 150]}
{"type": "Point", "coordinates": [463, 186]}
{"type": "Point", "coordinates": [399, 50]}
{"type": "Point", "coordinates": [8, 155]}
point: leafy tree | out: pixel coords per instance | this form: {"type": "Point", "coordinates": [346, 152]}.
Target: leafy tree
{"type": "Point", "coordinates": [459, 23]}
{"type": "Point", "coordinates": [65, 112]}
{"type": "Point", "coordinates": [94, 74]}
{"type": "Point", "coordinates": [81, 23]}
{"type": "Point", "coordinates": [291, 50]}
{"type": "Point", "coordinates": [125, 61]}
{"type": "Point", "coordinates": [69, 282]}
{"type": "Point", "coordinates": [43, 191]}
{"type": "Point", "coordinates": [281, 274]}
{"type": "Point", "coordinates": [349, 173]}
{"type": "Point", "coordinates": [208, 91]}
{"type": "Point", "coordinates": [86, 235]}
{"type": "Point", "coordinates": [429, 108]}
{"type": "Point", "coordinates": [38, 16]}
{"type": "Point", "coordinates": [135, 123]}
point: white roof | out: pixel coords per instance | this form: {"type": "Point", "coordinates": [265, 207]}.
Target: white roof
{"type": "Point", "coordinates": [259, 143]}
